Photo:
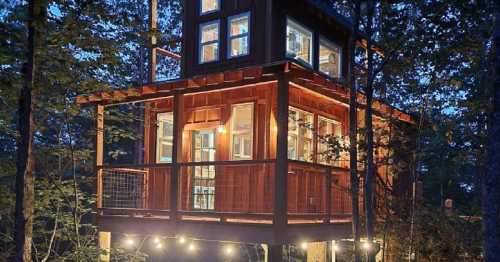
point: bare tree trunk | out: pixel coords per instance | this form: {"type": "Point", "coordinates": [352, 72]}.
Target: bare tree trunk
{"type": "Point", "coordinates": [370, 165]}
{"type": "Point", "coordinates": [353, 133]}
{"type": "Point", "coordinates": [491, 206]}
{"type": "Point", "coordinates": [26, 127]}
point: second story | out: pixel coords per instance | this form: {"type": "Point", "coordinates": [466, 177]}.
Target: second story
{"type": "Point", "coordinates": [221, 35]}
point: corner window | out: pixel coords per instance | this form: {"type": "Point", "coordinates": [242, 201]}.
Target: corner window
{"type": "Point", "coordinates": [242, 131]}
{"type": "Point", "coordinates": [300, 135]}
{"type": "Point", "coordinates": [209, 42]}
{"type": "Point", "coordinates": [326, 128]}
{"type": "Point", "coordinates": [298, 42]}
{"type": "Point", "coordinates": [164, 135]}
{"type": "Point", "coordinates": [238, 35]}
{"type": "Point", "coordinates": [209, 6]}
{"type": "Point", "coordinates": [329, 58]}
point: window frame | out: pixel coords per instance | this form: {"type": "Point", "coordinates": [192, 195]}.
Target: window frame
{"type": "Point", "coordinates": [323, 41]}
{"type": "Point", "coordinates": [159, 117]}
{"type": "Point", "coordinates": [231, 139]}
{"type": "Point", "coordinates": [200, 44]}
{"type": "Point", "coordinates": [299, 27]}
{"type": "Point", "coordinates": [194, 178]}
{"type": "Point", "coordinates": [309, 159]}
{"type": "Point", "coordinates": [328, 120]}
{"type": "Point", "coordinates": [247, 34]}
{"type": "Point", "coordinates": [200, 2]}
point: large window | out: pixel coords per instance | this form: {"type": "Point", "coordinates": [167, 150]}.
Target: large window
{"type": "Point", "coordinates": [327, 128]}
{"type": "Point", "coordinates": [238, 35]}
{"type": "Point", "coordinates": [242, 131]}
{"type": "Point", "coordinates": [164, 136]}
{"type": "Point", "coordinates": [299, 42]}
{"type": "Point", "coordinates": [300, 135]}
{"type": "Point", "coordinates": [329, 58]}
{"type": "Point", "coordinates": [209, 42]}
{"type": "Point", "coordinates": [209, 6]}
{"type": "Point", "coordinates": [204, 150]}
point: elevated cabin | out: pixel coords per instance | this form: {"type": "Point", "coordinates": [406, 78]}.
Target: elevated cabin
{"type": "Point", "coordinates": [233, 151]}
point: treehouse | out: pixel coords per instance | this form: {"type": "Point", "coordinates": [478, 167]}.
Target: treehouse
{"type": "Point", "coordinates": [235, 149]}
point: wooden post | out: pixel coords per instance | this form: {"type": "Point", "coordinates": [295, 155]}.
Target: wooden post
{"type": "Point", "coordinates": [275, 253]}
{"type": "Point", "coordinates": [176, 154]}
{"type": "Point", "coordinates": [99, 147]}
{"type": "Point", "coordinates": [280, 185]}
{"type": "Point", "coordinates": [105, 246]}
{"type": "Point", "coordinates": [153, 17]}
{"type": "Point", "coordinates": [328, 194]}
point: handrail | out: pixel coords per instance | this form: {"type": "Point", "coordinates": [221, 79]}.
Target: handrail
{"type": "Point", "coordinates": [205, 163]}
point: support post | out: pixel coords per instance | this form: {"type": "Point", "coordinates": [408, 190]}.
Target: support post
{"type": "Point", "coordinates": [328, 194]}
{"type": "Point", "coordinates": [99, 147]}
{"type": "Point", "coordinates": [280, 186]}
{"type": "Point", "coordinates": [105, 246]}
{"type": "Point", "coordinates": [153, 17]}
{"type": "Point", "coordinates": [275, 253]}
{"type": "Point", "coordinates": [176, 154]}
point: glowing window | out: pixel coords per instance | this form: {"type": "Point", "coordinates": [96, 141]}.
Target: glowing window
{"type": "Point", "coordinates": [242, 131]}
{"type": "Point", "coordinates": [238, 35]}
{"type": "Point", "coordinates": [300, 135]}
{"type": "Point", "coordinates": [209, 6]}
{"type": "Point", "coordinates": [299, 42]}
{"type": "Point", "coordinates": [329, 58]}
{"type": "Point", "coordinates": [164, 134]}
{"type": "Point", "coordinates": [209, 42]}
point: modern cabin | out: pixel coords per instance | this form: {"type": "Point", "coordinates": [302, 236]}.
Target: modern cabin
{"type": "Point", "coordinates": [234, 150]}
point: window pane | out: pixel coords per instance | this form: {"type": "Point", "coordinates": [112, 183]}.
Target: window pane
{"type": "Point", "coordinates": [164, 141]}
{"type": "Point", "coordinates": [209, 6]}
{"type": "Point", "coordinates": [239, 46]}
{"type": "Point", "coordinates": [242, 131]}
{"type": "Point", "coordinates": [239, 25]}
{"type": "Point", "coordinates": [329, 59]}
{"type": "Point", "coordinates": [327, 128]}
{"type": "Point", "coordinates": [209, 42]}
{"type": "Point", "coordinates": [299, 42]}
{"type": "Point", "coordinates": [300, 136]}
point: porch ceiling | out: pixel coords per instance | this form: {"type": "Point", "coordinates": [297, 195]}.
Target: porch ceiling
{"type": "Point", "coordinates": [296, 74]}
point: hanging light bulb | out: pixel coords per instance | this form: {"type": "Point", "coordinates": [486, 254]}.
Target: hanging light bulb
{"type": "Point", "coordinates": [303, 245]}
{"type": "Point", "coordinates": [182, 240]}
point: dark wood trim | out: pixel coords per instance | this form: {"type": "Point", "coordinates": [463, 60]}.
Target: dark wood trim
{"type": "Point", "coordinates": [280, 185]}
{"type": "Point", "coordinates": [176, 154]}
{"type": "Point", "coordinates": [99, 150]}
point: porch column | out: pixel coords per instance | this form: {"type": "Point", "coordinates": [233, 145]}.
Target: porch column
{"type": "Point", "coordinates": [105, 246]}
{"type": "Point", "coordinates": [176, 154]}
{"type": "Point", "coordinates": [99, 147]}
{"type": "Point", "coordinates": [280, 186]}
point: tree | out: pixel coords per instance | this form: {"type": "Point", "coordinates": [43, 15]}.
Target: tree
{"type": "Point", "coordinates": [492, 181]}
{"type": "Point", "coordinates": [26, 127]}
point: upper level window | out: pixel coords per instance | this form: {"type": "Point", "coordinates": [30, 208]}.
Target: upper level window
{"type": "Point", "coordinates": [298, 42]}
{"type": "Point", "coordinates": [209, 6]}
{"type": "Point", "coordinates": [238, 35]}
{"type": "Point", "coordinates": [327, 128]}
{"type": "Point", "coordinates": [242, 131]}
{"type": "Point", "coordinates": [164, 135]}
{"type": "Point", "coordinates": [329, 58]}
{"type": "Point", "coordinates": [209, 42]}
{"type": "Point", "coordinates": [300, 136]}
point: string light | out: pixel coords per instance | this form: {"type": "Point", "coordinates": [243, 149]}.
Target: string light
{"type": "Point", "coordinates": [182, 240]}
{"type": "Point", "coordinates": [221, 129]}
{"type": "Point", "coordinates": [159, 245]}
{"type": "Point", "coordinates": [156, 240]}
{"type": "Point", "coordinates": [191, 247]}
{"type": "Point", "coordinates": [228, 250]}
{"type": "Point", "coordinates": [304, 245]}
{"type": "Point", "coordinates": [336, 248]}
{"type": "Point", "coordinates": [366, 246]}
{"type": "Point", "coordinates": [129, 241]}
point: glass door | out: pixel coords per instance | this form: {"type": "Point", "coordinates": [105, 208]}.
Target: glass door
{"type": "Point", "coordinates": [204, 176]}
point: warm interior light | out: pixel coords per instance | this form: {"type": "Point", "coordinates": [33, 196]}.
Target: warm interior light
{"type": "Point", "coordinates": [191, 247]}
{"type": "Point", "coordinates": [221, 129]}
{"type": "Point", "coordinates": [182, 240]}
{"type": "Point", "coordinates": [303, 245]}
{"type": "Point", "coordinates": [229, 250]}
{"type": "Point", "coordinates": [366, 246]}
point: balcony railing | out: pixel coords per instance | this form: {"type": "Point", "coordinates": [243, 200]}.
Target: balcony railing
{"type": "Point", "coordinates": [225, 191]}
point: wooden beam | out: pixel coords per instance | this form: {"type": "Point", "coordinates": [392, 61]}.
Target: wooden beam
{"type": "Point", "coordinates": [167, 53]}
{"type": "Point", "coordinates": [99, 147]}
{"type": "Point", "coordinates": [153, 17]}
{"type": "Point", "coordinates": [328, 194]}
{"type": "Point", "coordinates": [176, 154]}
{"type": "Point", "coordinates": [280, 185]}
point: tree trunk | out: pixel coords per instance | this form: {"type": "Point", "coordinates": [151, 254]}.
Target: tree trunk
{"type": "Point", "coordinates": [353, 133]}
{"type": "Point", "coordinates": [25, 127]}
{"type": "Point", "coordinates": [370, 165]}
{"type": "Point", "coordinates": [491, 208]}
